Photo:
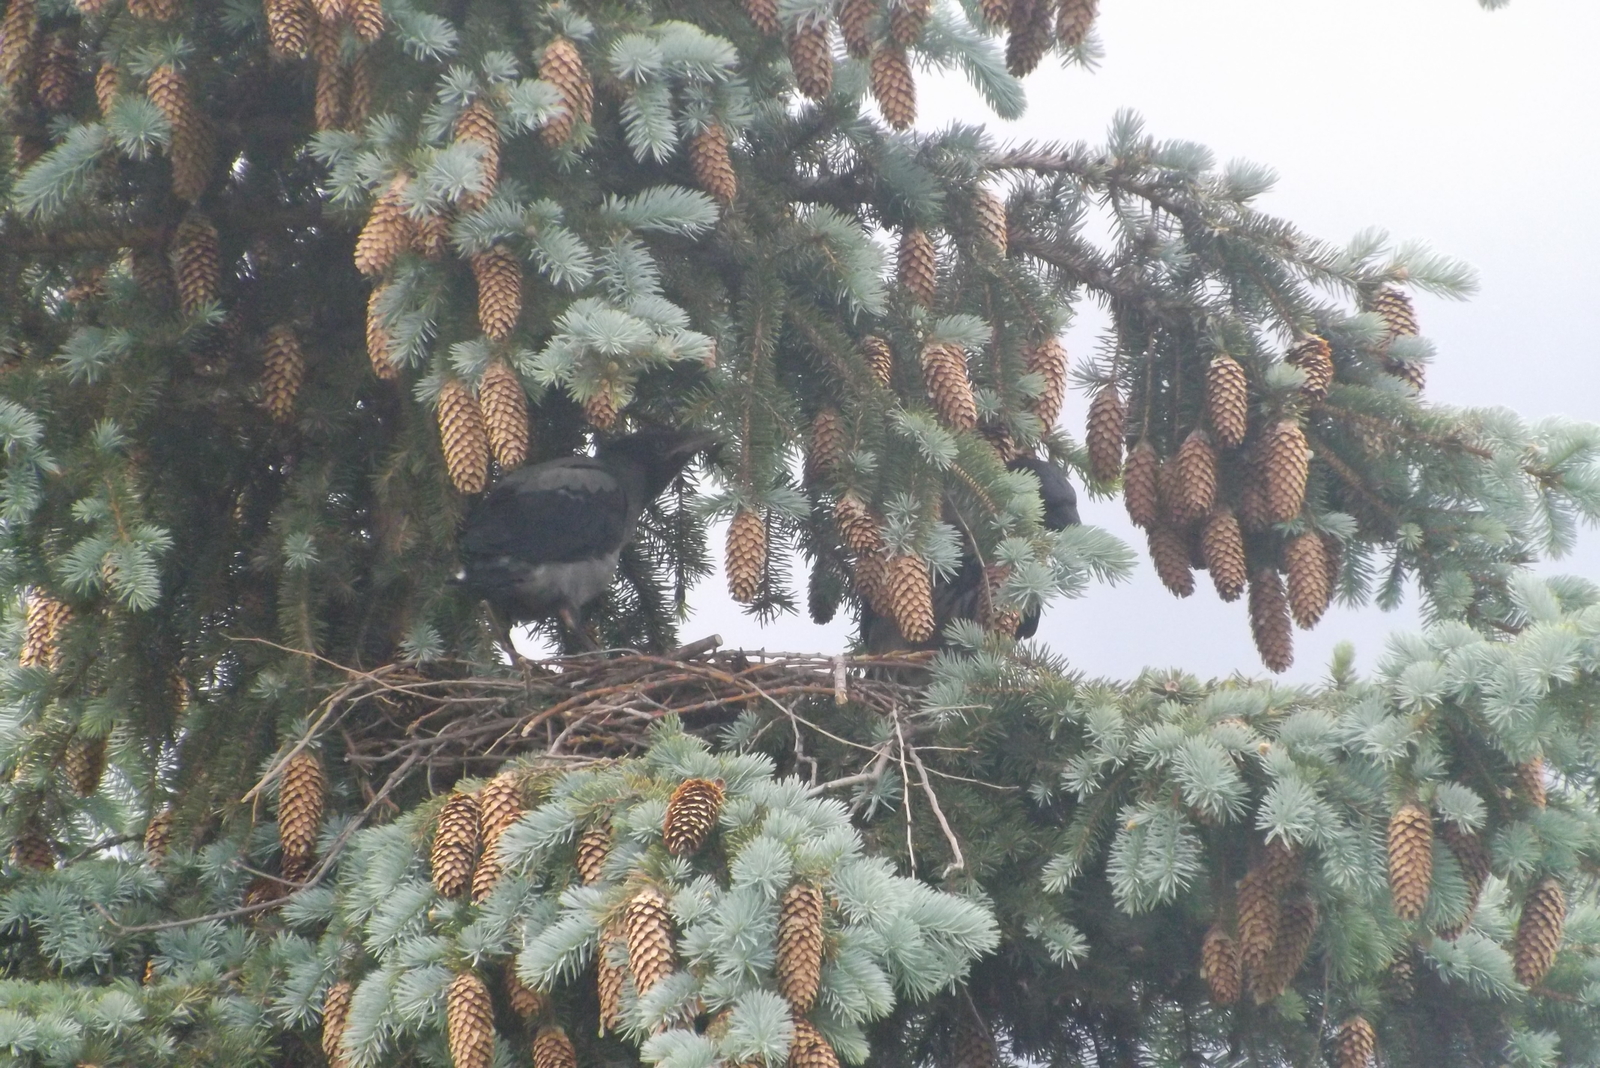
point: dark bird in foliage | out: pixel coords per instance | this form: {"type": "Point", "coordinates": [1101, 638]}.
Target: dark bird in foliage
{"type": "Point", "coordinates": [545, 540]}
{"type": "Point", "coordinates": [961, 596]}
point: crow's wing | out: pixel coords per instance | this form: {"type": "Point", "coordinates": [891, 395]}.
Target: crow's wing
{"type": "Point", "coordinates": [557, 512]}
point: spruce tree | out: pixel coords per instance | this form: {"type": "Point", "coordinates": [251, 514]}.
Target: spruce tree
{"type": "Point", "coordinates": [288, 283]}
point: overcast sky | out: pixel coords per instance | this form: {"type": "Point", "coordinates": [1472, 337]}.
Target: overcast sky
{"type": "Point", "coordinates": [1474, 131]}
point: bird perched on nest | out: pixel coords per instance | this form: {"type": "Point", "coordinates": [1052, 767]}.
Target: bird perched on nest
{"type": "Point", "coordinates": [545, 540]}
{"type": "Point", "coordinates": [962, 596]}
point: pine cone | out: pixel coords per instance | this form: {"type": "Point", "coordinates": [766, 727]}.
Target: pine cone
{"type": "Point", "coordinates": [906, 20]}
{"type": "Point", "coordinates": [469, 1019]}
{"type": "Point", "coordinates": [289, 25]}
{"type": "Point", "coordinates": [158, 836]}
{"type": "Point", "coordinates": [499, 275]}
{"type": "Point", "coordinates": [1074, 19]}
{"type": "Point", "coordinates": [692, 815]}
{"type": "Point", "coordinates": [1356, 1043]}
{"type": "Point", "coordinates": [1195, 477]}
{"type": "Point", "coordinates": [1103, 436]}
{"type": "Point", "coordinates": [31, 849]}
{"type": "Point", "coordinates": [455, 845]}
{"type": "Point", "coordinates": [1410, 860]}
{"type": "Point", "coordinates": [763, 16]}
{"type": "Point", "coordinates": [366, 18]}
{"type": "Point", "coordinates": [553, 1049]}
{"type": "Point", "coordinates": [476, 125]}
{"type": "Point", "coordinates": [944, 374]}
{"type": "Point", "coordinates": [1544, 916]}
{"type": "Point", "coordinates": [594, 846]}
{"type": "Point", "coordinates": [974, 1042]}
{"type": "Point", "coordinates": [829, 444]}
{"type": "Point", "coordinates": [331, 12]}
{"type": "Point", "coordinates": [810, 1049]}
{"type": "Point", "coordinates": [1032, 34]}
{"type": "Point", "coordinates": [1222, 547]}
{"type": "Point", "coordinates": [711, 164]}
{"type": "Point", "coordinates": [1314, 357]}
{"type": "Point", "coordinates": [1269, 620]}
{"type": "Point", "coordinates": [1307, 566]}
{"type": "Point", "coordinates": [996, 12]}
{"type": "Point", "coordinates": [1333, 561]}
{"type": "Point", "coordinates": [463, 437]}
{"type": "Point", "coordinates": [189, 147]}
{"type": "Point", "coordinates": [746, 560]}
{"type": "Point", "coordinates": [1403, 976]}
{"type": "Point", "coordinates": [107, 84]}
{"type": "Point", "coordinates": [1227, 401]}
{"type": "Point", "coordinates": [1258, 919]}
{"type": "Point", "coordinates": [1530, 781]}
{"type": "Point", "coordinates": [647, 926]}
{"type": "Point", "coordinates": [1413, 374]}
{"type": "Point", "coordinates": [855, 26]}
{"type": "Point", "coordinates": [880, 360]}
{"type": "Point", "coordinates": [378, 339]}
{"type": "Point", "coordinates": [1169, 551]}
{"type": "Point", "coordinates": [1473, 859]}
{"type": "Point", "coordinates": [1140, 485]}
{"type": "Point", "coordinates": [919, 266]}
{"type": "Point", "coordinates": [1399, 316]}
{"type": "Point", "coordinates": [58, 72]}
{"type": "Point", "coordinates": [363, 91]}
{"type": "Point", "coordinates": [301, 800]}
{"type": "Point", "coordinates": [335, 1018]}
{"type": "Point", "coordinates": [499, 806]}
{"type": "Point", "coordinates": [525, 1001]}
{"type": "Point", "coordinates": [19, 31]}
{"type": "Point", "coordinates": [1297, 926]}
{"type": "Point", "coordinates": [609, 978]}
{"type": "Point", "coordinates": [84, 762]}
{"type": "Point", "coordinates": [333, 84]}
{"type": "Point", "coordinates": [283, 370]}
{"type": "Point", "coordinates": [600, 410]}
{"type": "Point", "coordinates": [824, 591]}
{"type": "Point", "coordinates": [1285, 463]}
{"type": "Point", "coordinates": [46, 622]}
{"type": "Point", "coordinates": [196, 263]}
{"type": "Point", "coordinates": [387, 232]}
{"type": "Point", "coordinates": [799, 968]}
{"type": "Point", "coordinates": [1219, 966]}
{"type": "Point", "coordinates": [1255, 515]}
{"type": "Point", "coordinates": [562, 66]}
{"type": "Point", "coordinates": [910, 596]}
{"type": "Point", "coordinates": [811, 57]}
{"type": "Point", "coordinates": [893, 85]}
{"type": "Point", "coordinates": [505, 414]}
{"type": "Point", "coordinates": [156, 10]}
{"type": "Point", "coordinates": [858, 527]}
{"type": "Point", "coordinates": [430, 236]}
{"type": "Point", "coordinates": [989, 211]}
{"type": "Point", "coordinates": [871, 572]}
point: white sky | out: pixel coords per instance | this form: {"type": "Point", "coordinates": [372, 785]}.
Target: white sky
{"type": "Point", "coordinates": [1474, 131]}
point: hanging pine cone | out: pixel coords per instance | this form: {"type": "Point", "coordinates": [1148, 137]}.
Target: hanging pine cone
{"type": "Point", "coordinates": [746, 561]}
{"type": "Point", "coordinates": [893, 85]}
{"type": "Point", "coordinates": [335, 1018]}
{"type": "Point", "coordinates": [1410, 859]}
{"type": "Point", "coordinates": [469, 1020]}
{"type": "Point", "coordinates": [919, 266]}
{"type": "Point", "coordinates": [1195, 478]}
{"type": "Point", "coordinates": [378, 339]}
{"type": "Point", "coordinates": [1530, 781]}
{"type": "Point", "coordinates": [974, 1042]}
{"type": "Point", "coordinates": [46, 622]}
{"type": "Point", "coordinates": [1222, 548]}
{"type": "Point", "coordinates": [1473, 859]}
{"type": "Point", "coordinates": [906, 20]}
{"type": "Point", "coordinates": [1544, 917]}
{"type": "Point", "coordinates": [505, 414]}
{"type": "Point", "coordinates": [1219, 966]}
{"type": "Point", "coordinates": [811, 57]}
{"type": "Point", "coordinates": [363, 91]}
{"type": "Point", "coordinates": [594, 847]}
{"type": "Point", "coordinates": [301, 800]}
{"type": "Point", "coordinates": [331, 12]}
{"type": "Point", "coordinates": [455, 845]}
{"type": "Point", "coordinates": [855, 26]}
{"type": "Point", "coordinates": [562, 66]}
{"type": "Point", "coordinates": [525, 1001]}
{"type": "Point", "coordinates": [1103, 436]}
{"type": "Point", "coordinates": [944, 374]}
{"type": "Point", "coordinates": [58, 72]}
{"type": "Point", "coordinates": [647, 926]}
{"type": "Point", "coordinates": [1355, 1044]}
{"type": "Point", "coordinates": [1333, 561]}
{"type": "Point", "coordinates": [1227, 401]}
{"type": "Point", "coordinates": [763, 15]}
{"type": "Point", "coordinates": [463, 437]}
{"type": "Point", "coordinates": [289, 25]}
{"type": "Point", "coordinates": [1254, 513]}
{"type": "Point", "coordinates": [1048, 360]}
{"type": "Point", "coordinates": [600, 409]}
{"type": "Point", "coordinates": [1297, 926]}
{"type": "Point", "coordinates": [188, 146]}
{"type": "Point", "coordinates": [283, 370]}
{"type": "Point", "coordinates": [499, 275]}
{"type": "Point", "coordinates": [1074, 19]}
{"type": "Point", "coordinates": [996, 12]}
{"type": "Point", "coordinates": [989, 211]}
{"type": "Point", "coordinates": [858, 527]}
{"type": "Point", "coordinates": [610, 975]}
{"type": "Point", "coordinates": [692, 815]}
{"type": "Point", "coordinates": [1269, 620]}
{"type": "Point", "coordinates": [476, 125]}
{"type": "Point", "coordinates": [84, 762]}
{"type": "Point", "coordinates": [499, 806]}
{"type": "Point", "coordinates": [1258, 900]}
{"type": "Point", "coordinates": [829, 443]}
{"type": "Point", "coordinates": [19, 31]}
{"type": "Point", "coordinates": [366, 18]}
{"type": "Point", "coordinates": [31, 849]}
{"type": "Point", "coordinates": [158, 836]}
{"type": "Point", "coordinates": [107, 84]}
{"type": "Point", "coordinates": [1399, 316]}
{"type": "Point", "coordinates": [1032, 34]}
{"type": "Point", "coordinates": [1403, 976]}
{"type": "Point", "coordinates": [810, 1048]}
{"type": "Point", "coordinates": [1315, 358]}
{"type": "Point", "coordinates": [1285, 464]}
{"type": "Point", "coordinates": [1140, 485]}
{"type": "Point", "coordinates": [196, 263]}
{"type": "Point", "coordinates": [333, 83]}
{"type": "Point", "coordinates": [156, 10]}
{"type": "Point", "coordinates": [1306, 563]}
{"type": "Point", "coordinates": [880, 360]}
{"type": "Point", "coordinates": [871, 571]}
{"type": "Point", "coordinates": [430, 236]}
{"type": "Point", "coordinates": [387, 232]}
{"type": "Point", "coordinates": [1169, 551]}
{"type": "Point", "coordinates": [553, 1049]}
{"type": "Point", "coordinates": [910, 596]}
{"type": "Point", "coordinates": [799, 967]}
{"type": "Point", "coordinates": [711, 164]}
{"type": "Point", "coordinates": [824, 591]}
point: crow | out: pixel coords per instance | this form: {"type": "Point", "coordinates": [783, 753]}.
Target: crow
{"type": "Point", "coordinates": [961, 596]}
{"type": "Point", "coordinates": [545, 540]}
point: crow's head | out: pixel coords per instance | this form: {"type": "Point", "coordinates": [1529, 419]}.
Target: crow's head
{"type": "Point", "coordinates": [1060, 502]}
{"type": "Point", "coordinates": [660, 453]}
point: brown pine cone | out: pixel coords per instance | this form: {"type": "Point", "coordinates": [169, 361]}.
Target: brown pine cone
{"type": "Point", "coordinates": [46, 623]}
{"type": "Point", "coordinates": [19, 32]}
{"type": "Point", "coordinates": [476, 125]}
{"type": "Point", "coordinates": [1074, 19]}
{"type": "Point", "coordinates": [600, 409]}
{"type": "Point", "coordinates": [1530, 781]}
{"type": "Point", "coordinates": [1410, 860]}
{"type": "Point", "coordinates": [1269, 620]}
{"type": "Point", "coordinates": [799, 967]}
{"type": "Point", "coordinates": [944, 374]}
{"type": "Point", "coordinates": [499, 806]}
{"type": "Point", "coordinates": [880, 360]}
{"type": "Point", "coordinates": [1254, 514]}
{"type": "Point", "coordinates": [430, 236]}
{"type": "Point", "coordinates": [378, 339]}
{"type": "Point", "coordinates": [469, 1019]}
{"type": "Point", "coordinates": [1227, 401]}
{"type": "Point", "coordinates": [745, 562]}
{"type": "Point", "coordinates": [189, 145]}
{"type": "Point", "coordinates": [283, 370]}
{"type": "Point", "coordinates": [1333, 560]}
{"type": "Point", "coordinates": [712, 165]}
{"type": "Point", "coordinates": [919, 266]}
{"type": "Point", "coordinates": [331, 12]}
{"type": "Point", "coordinates": [909, 589]}
{"type": "Point", "coordinates": [84, 762]}
{"type": "Point", "coordinates": [335, 1018]}
{"type": "Point", "coordinates": [1194, 478]}
{"type": "Point", "coordinates": [1315, 358]}
{"type": "Point", "coordinates": [1539, 931]}
{"type": "Point", "coordinates": [1140, 485]}
{"type": "Point", "coordinates": [996, 12]}
{"type": "Point", "coordinates": [525, 1001]}
{"type": "Point", "coordinates": [1219, 966]}
{"type": "Point", "coordinates": [1285, 464]}
{"type": "Point", "coordinates": [1473, 859]}
{"type": "Point", "coordinates": [1048, 360]}
{"type": "Point", "coordinates": [810, 1048]}
{"type": "Point", "coordinates": [332, 88]}
{"type": "Point", "coordinates": [1399, 315]}
{"type": "Point", "coordinates": [363, 90]}
{"type": "Point", "coordinates": [289, 24]}
{"type": "Point", "coordinates": [1258, 900]}
{"type": "Point", "coordinates": [1169, 551]}
{"type": "Point", "coordinates": [499, 275]}
{"type": "Point", "coordinates": [1297, 926]}
{"type": "Point", "coordinates": [301, 801]}
{"type": "Point", "coordinates": [366, 18]}
{"type": "Point", "coordinates": [811, 57]}
{"type": "Point", "coordinates": [855, 26]}
{"type": "Point", "coordinates": [463, 437]}
{"type": "Point", "coordinates": [505, 414]}
{"type": "Point", "coordinates": [58, 72]}
{"type": "Point", "coordinates": [871, 571]}
{"type": "Point", "coordinates": [989, 211]}
{"type": "Point", "coordinates": [455, 845]}
{"type": "Point", "coordinates": [387, 232]}
{"type": "Point", "coordinates": [691, 816]}
{"type": "Point", "coordinates": [1306, 562]}
{"type": "Point", "coordinates": [858, 527]}
{"type": "Point", "coordinates": [610, 976]}
{"type": "Point", "coordinates": [763, 15]}
{"type": "Point", "coordinates": [1222, 547]}
{"type": "Point", "coordinates": [647, 926]}
{"type": "Point", "coordinates": [1032, 34]}
{"type": "Point", "coordinates": [1103, 436]}
{"type": "Point", "coordinates": [107, 84]}
{"type": "Point", "coordinates": [156, 10]}
{"type": "Point", "coordinates": [893, 85]}
{"type": "Point", "coordinates": [158, 836]}
{"type": "Point", "coordinates": [974, 1041]}
{"type": "Point", "coordinates": [829, 443]}
{"type": "Point", "coordinates": [562, 66]}
{"type": "Point", "coordinates": [31, 849]}
{"type": "Point", "coordinates": [553, 1049]}
{"type": "Point", "coordinates": [594, 846]}
{"type": "Point", "coordinates": [1355, 1044]}
{"type": "Point", "coordinates": [906, 20]}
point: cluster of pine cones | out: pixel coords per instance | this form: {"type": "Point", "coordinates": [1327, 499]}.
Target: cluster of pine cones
{"type": "Point", "coordinates": [1214, 501]}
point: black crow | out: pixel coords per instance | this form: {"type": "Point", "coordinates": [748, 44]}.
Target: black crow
{"type": "Point", "coordinates": [544, 541]}
{"type": "Point", "coordinates": [961, 596]}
